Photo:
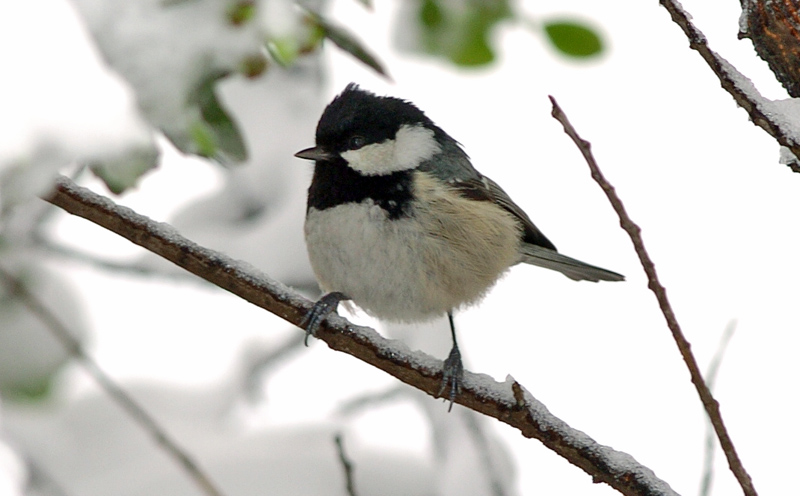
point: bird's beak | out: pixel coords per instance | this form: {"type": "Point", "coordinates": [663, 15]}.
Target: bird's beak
{"type": "Point", "coordinates": [315, 153]}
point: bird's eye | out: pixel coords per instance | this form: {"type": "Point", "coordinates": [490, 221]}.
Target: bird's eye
{"type": "Point", "coordinates": [357, 142]}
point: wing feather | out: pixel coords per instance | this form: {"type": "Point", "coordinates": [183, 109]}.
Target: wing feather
{"type": "Point", "coordinates": [454, 167]}
{"type": "Point", "coordinates": [536, 249]}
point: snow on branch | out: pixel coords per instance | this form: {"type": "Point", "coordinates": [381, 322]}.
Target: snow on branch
{"type": "Point", "coordinates": [508, 402]}
{"type": "Point", "coordinates": [764, 113]}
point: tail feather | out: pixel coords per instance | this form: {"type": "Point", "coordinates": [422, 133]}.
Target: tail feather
{"type": "Point", "coordinates": [570, 267]}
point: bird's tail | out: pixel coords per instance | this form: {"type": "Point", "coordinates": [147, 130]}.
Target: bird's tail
{"type": "Point", "coordinates": [574, 269]}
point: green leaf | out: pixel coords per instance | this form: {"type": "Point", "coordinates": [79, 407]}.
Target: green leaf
{"type": "Point", "coordinates": [313, 37]}
{"type": "Point", "coordinates": [241, 12]}
{"type": "Point", "coordinates": [203, 139]}
{"type": "Point", "coordinates": [474, 50]}
{"type": "Point", "coordinates": [284, 50]}
{"type": "Point", "coordinates": [347, 42]}
{"type": "Point", "coordinates": [216, 135]}
{"type": "Point", "coordinates": [35, 391]}
{"type": "Point", "coordinates": [462, 33]}
{"type": "Point", "coordinates": [573, 39]}
{"type": "Point", "coordinates": [430, 14]}
{"type": "Point", "coordinates": [123, 172]}
{"type": "Point", "coordinates": [252, 66]}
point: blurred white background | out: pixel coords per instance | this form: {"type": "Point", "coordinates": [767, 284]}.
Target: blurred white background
{"type": "Point", "coordinates": [716, 209]}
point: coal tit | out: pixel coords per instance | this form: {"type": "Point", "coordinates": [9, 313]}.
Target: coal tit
{"type": "Point", "coordinates": [399, 222]}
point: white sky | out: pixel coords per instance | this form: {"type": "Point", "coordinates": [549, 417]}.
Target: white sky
{"type": "Point", "coordinates": [716, 209]}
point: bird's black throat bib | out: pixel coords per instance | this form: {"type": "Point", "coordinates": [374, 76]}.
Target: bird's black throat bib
{"type": "Point", "coordinates": [334, 183]}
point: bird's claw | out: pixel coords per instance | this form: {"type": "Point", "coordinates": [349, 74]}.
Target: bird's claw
{"type": "Point", "coordinates": [452, 373]}
{"type": "Point", "coordinates": [320, 311]}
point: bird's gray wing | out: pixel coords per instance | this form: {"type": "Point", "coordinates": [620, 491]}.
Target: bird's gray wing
{"type": "Point", "coordinates": [482, 188]}
{"type": "Point", "coordinates": [451, 163]}
{"type": "Point", "coordinates": [570, 267]}
{"type": "Point", "coordinates": [536, 249]}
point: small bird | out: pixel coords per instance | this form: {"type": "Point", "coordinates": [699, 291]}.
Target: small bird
{"type": "Point", "coordinates": [399, 221]}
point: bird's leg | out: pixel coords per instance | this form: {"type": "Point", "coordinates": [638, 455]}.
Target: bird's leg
{"type": "Point", "coordinates": [453, 369]}
{"type": "Point", "coordinates": [320, 311]}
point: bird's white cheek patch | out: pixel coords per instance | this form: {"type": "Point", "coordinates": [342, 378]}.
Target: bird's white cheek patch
{"type": "Point", "coordinates": [412, 146]}
{"type": "Point", "coordinates": [415, 144]}
{"type": "Point", "coordinates": [373, 160]}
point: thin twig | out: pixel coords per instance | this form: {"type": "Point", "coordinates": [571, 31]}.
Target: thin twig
{"type": "Point", "coordinates": [112, 266]}
{"type": "Point", "coordinates": [711, 379]}
{"type": "Point", "coordinates": [114, 391]}
{"type": "Point", "coordinates": [40, 481]}
{"type": "Point", "coordinates": [259, 368]}
{"type": "Point", "coordinates": [356, 405]}
{"type": "Point", "coordinates": [508, 402]}
{"type": "Point", "coordinates": [735, 83]}
{"type": "Point", "coordinates": [347, 466]}
{"type": "Point", "coordinates": [488, 457]}
{"type": "Point", "coordinates": [635, 233]}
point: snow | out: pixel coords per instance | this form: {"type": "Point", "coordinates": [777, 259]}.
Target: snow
{"type": "Point", "coordinates": [118, 458]}
{"type": "Point", "coordinates": [13, 473]}
{"type": "Point", "coordinates": [90, 114]}
{"type": "Point", "coordinates": [785, 113]}
{"type": "Point", "coordinates": [253, 215]}
{"type": "Point", "coordinates": [164, 51]}
{"type": "Point", "coordinates": [29, 352]}
{"type": "Point", "coordinates": [744, 29]}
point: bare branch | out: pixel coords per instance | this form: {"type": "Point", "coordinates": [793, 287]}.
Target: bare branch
{"type": "Point", "coordinates": [477, 430]}
{"type": "Point", "coordinates": [267, 360]}
{"type": "Point", "coordinates": [508, 402]}
{"type": "Point", "coordinates": [114, 391]}
{"type": "Point", "coordinates": [112, 266]}
{"type": "Point", "coordinates": [347, 466]}
{"type": "Point", "coordinates": [635, 233]}
{"type": "Point", "coordinates": [711, 377]}
{"type": "Point", "coordinates": [40, 481]}
{"type": "Point", "coordinates": [354, 406]}
{"type": "Point", "coordinates": [760, 109]}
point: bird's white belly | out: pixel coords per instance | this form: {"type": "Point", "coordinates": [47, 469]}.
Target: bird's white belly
{"type": "Point", "coordinates": [397, 269]}
{"type": "Point", "coordinates": [356, 250]}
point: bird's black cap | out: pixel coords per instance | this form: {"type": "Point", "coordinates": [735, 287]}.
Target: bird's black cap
{"type": "Point", "coordinates": [358, 112]}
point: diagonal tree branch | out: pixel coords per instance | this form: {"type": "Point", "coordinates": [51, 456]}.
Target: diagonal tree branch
{"type": "Point", "coordinates": [508, 402]}
{"type": "Point", "coordinates": [635, 233]}
{"type": "Point", "coordinates": [762, 111]}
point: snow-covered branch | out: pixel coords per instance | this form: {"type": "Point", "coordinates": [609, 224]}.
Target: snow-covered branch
{"type": "Point", "coordinates": [508, 402]}
{"type": "Point", "coordinates": [763, 112]}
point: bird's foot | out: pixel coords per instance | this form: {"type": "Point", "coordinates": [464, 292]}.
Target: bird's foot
{"type": "Point", "coordinates": [319, 312]}
{"type": "Point", "coordinates": [452, 373]}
